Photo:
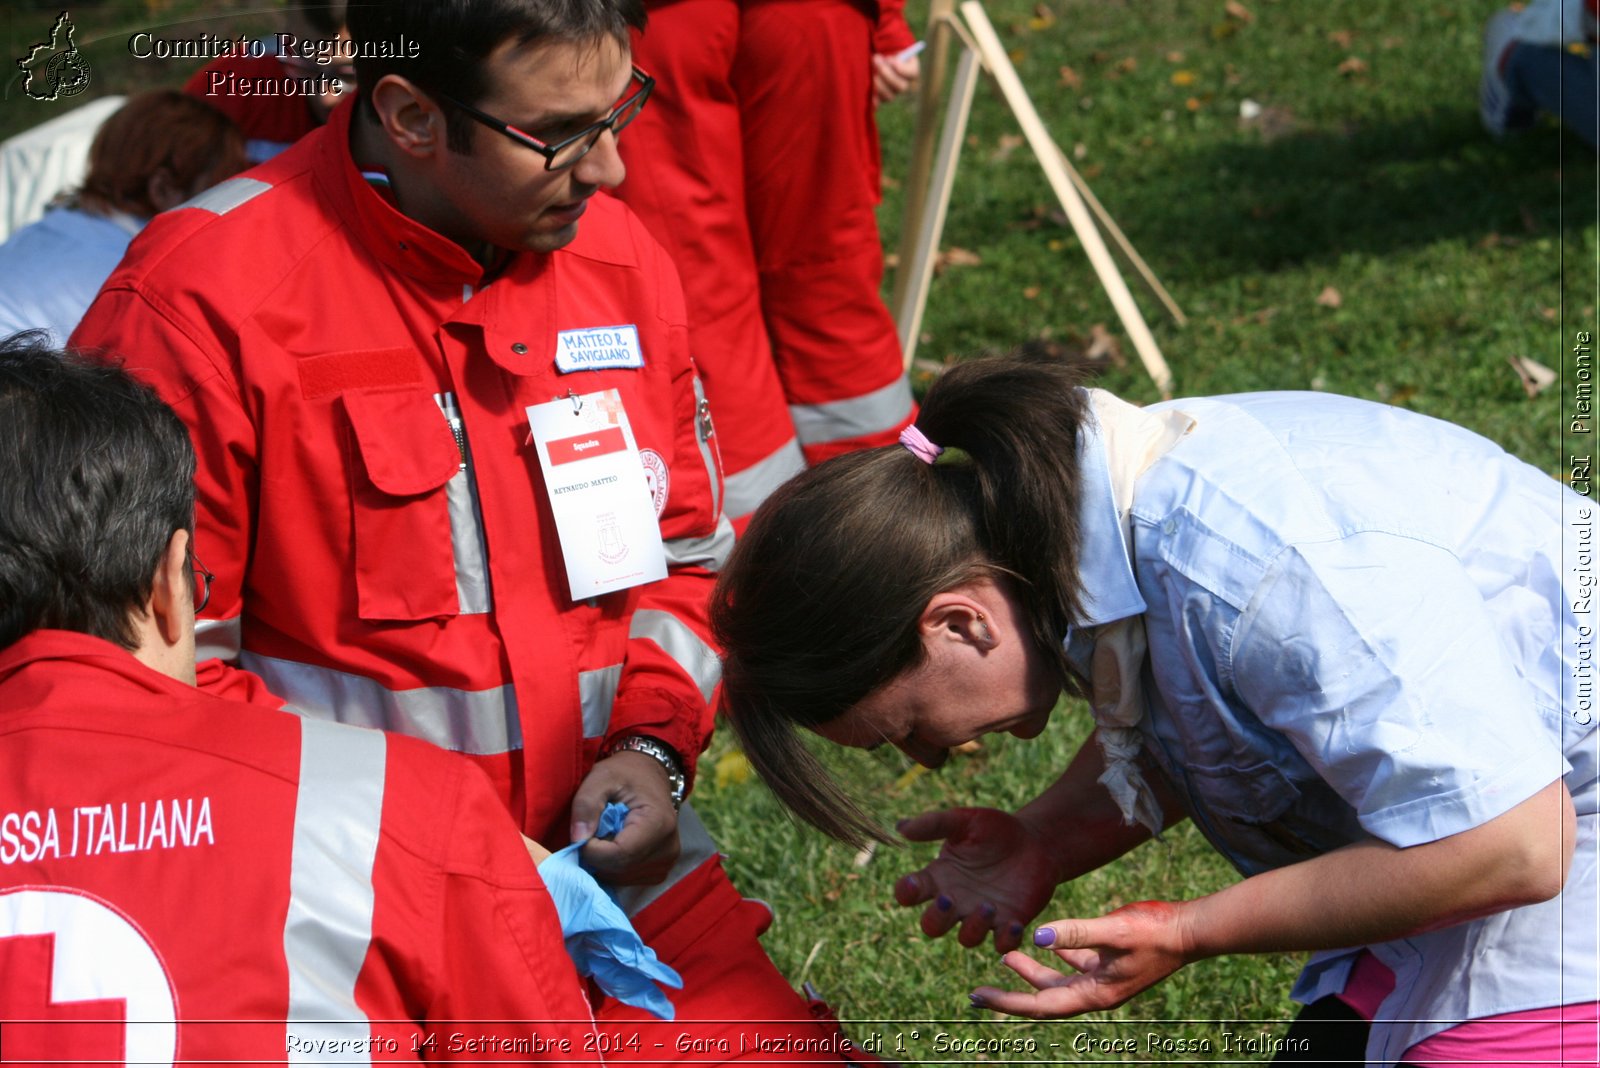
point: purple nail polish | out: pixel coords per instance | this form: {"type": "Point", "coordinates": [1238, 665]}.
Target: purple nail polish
{"type": "Point", "coordinates": [987, 910]}
{"type": "Point", "coordinates": [1044, 936]}
{"type": "Point", "coordinates": [977, 1002]}
{"type": "Point", "coordinates": [1015, 929]}
{"type": "Point", "coordinates": [943, 903]}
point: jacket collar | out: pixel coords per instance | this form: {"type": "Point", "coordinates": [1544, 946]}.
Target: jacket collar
{"type": "Point", "coordinates": [86, 651]}
{"type": "Point", "coordinates": [399, 242]}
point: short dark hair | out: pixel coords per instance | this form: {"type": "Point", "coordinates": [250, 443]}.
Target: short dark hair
{"type": "Point", "coordinates": [99, 473]}
{"type": "Point", "coordinates": [454, 37]}
{"type": "Point", "coordinates": [818, 606]}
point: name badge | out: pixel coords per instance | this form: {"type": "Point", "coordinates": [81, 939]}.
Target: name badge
{"type": "Point", "coordinates": [604, 512]}
{"type": "Point", "coordinates": [598, 348]}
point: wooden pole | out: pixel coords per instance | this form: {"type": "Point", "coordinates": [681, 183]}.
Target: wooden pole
{"type": "Point", "coordinates": [1050, 158]}
{"type": "Point", "coordinates": [917, 269]}
{"type": "Point", "coordinates": [914, 187]}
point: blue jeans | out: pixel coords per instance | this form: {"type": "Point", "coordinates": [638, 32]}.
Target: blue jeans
{"type": "Point", "coordinates": [1554, 80]}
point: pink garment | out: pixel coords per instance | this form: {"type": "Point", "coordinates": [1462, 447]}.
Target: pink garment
{"type": "Point", "coordinates": [1563, 1034]}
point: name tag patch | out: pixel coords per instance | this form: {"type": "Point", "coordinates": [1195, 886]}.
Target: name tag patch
{"type": "Point", "coordinates": [598, 348]}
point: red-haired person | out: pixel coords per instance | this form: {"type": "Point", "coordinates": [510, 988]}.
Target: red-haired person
{"type": "Point", "coordinates": [156, 151]}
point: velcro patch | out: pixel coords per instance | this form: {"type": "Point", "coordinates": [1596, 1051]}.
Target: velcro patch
{"type": "Point", "coordinates": [598, 348]}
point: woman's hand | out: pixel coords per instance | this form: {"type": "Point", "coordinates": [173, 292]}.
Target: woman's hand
{"type": "Point", "coordinates": [994, 873]}
{"type": "Point", "coordinates": [1115, 957]}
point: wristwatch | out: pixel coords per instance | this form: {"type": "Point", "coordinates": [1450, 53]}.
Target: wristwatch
{"type": "Point", "coordinates": [661, 753]}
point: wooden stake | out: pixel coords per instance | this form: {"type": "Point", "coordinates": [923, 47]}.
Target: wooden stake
{"type": "Point", "coordinates": [917, 269]}
{"type": "Point", "coordinates": [1050, 158]}
{"type": "Point", "coordinates": [935, 64]}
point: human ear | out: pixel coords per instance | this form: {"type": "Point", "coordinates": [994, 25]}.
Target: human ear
{"type": "Point", "coordinates": [409, 117]}
{"type": "Point", "coordinates": [171, 606]}
{"type": "Point", "coordinates": [162, 191]}
{"type": "Point", "coordinates": [956, 616]}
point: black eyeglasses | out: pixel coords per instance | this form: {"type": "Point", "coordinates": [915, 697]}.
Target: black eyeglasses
{"type": "Point", "coordinates": [569, 150]}
{"type": "Point", "coordinates": [202, 583]}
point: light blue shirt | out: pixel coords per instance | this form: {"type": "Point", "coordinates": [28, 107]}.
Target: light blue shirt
{"type": "Point", "coordinates": [1366, 622]}
{"type": "Point", "coordinates": [50, 270]}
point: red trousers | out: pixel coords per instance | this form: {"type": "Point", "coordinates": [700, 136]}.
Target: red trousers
{"type": "Point", "coordinates": [734, 1002]}
{"type": "Point", "coordinates": [756, 165]}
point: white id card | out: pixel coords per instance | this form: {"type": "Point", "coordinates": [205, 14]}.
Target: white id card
{"type": "Point", "coordinates": [604, 513]}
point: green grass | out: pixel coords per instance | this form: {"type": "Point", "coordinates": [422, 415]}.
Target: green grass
{"type": "Point", "coordinates": [1450, 253]}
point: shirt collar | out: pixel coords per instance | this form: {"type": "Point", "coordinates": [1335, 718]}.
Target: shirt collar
{"type": "Point", "coordinates": [1109, 589]}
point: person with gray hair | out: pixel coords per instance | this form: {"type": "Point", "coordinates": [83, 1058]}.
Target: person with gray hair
{"type": "Point", "coordinates": [186, 877]}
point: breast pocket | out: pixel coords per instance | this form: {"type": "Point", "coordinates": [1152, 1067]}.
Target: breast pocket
{"type": "Point", "coordinates": [404, 566]}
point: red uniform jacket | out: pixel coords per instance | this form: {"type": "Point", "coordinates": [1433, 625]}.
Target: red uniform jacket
{"type": "Point", "coordinates": [187, 878]}
{"type": "Point", "coordinates": [371, 567]}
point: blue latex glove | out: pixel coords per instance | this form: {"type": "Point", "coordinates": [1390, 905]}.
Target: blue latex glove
{"type": "Point", "coordinates": [600, 940]}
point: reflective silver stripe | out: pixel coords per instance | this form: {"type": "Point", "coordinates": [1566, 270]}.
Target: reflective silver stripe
{"type": "Point", "coordinates": [466, 521]}
{"type": "Point", "coordinates": [695, 847]}
{"type": "Point", "coordinates": [853, 417]}
{"type": "Point", "coordinates": [694, 656]}
{"type": "Point", "coordinates": [745, 490]}
{"type": "Point", "coordinates": [709, 552]}
{"type": "Point", "coordinates": [217, 639]}
{"type": "Point", "coordinates": [597, 691]}
{"type": "Point", "coordinates": [329, 924]}
{"type": "Point", "coordinates": [479, 722]}
{"type": "Point", "coordinates": [702, 434]}
{"type": "Point", "coordinates": [225, 196]}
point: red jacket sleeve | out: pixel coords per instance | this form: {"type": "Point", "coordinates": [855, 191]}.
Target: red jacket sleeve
{"type": "Point", "coordinates": [893, 33]}
{"type": "Point", "coordinates": [154, 344]}
{"type": "Point", "coordinates": [671, 669]}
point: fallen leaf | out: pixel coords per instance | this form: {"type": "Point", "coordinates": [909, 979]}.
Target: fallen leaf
{"type": "Point", "coordinates": [1030, 292]}
{"type": "Point", "coordinates": [1174, 57]}
{"type": "Point", "coordinates": [1535, 376]}
{"type": "Point", "coordinates": [1055, 244]}
{"type": "Point", "coordinates": [891, 260]}
{"type": "Point", "coordinates": [1193, 103]}
{"type": "Point", "coordinates": [1128, 65]}
{"type": "Point", "coordinates": [1352, 66]}
{"type": "Point", "coordinates": [1071, 78]}
{"type": "Point", "coordinates": [891, 182]}
{"type": "Point", "coordinates": [1043, 18]}
{"type": "Point", "coordinates": [864, 857]}
{"type": "Point", "coordinates": [1330, 297]}
{"type": "Point", "coordinates": [732, 768]}
{"type": "Point", "coordinates": [1017, 56]}
{"type": "Point", "coordinates": [1221, 31]}
{"type": "Point", "coordinates": [1079, 150]}
{"type": "Point", "coordinates": [929, 367]}
{"type": "Point", "coordinates": [1341, 38]}
{"type": "Point", "coordinates": [1530, 222]}
{"type": "Point", "coordinates": [968, 747]}
{"type": "Point", "coordinates": [913, 773]}
{"type": "Point", "coordinates": [1183, 77]}
{"type": "Point", "coordinates": [1009, 143]}
{"type": "Point", "coordinates": [1098, 57]}
{"type": "Point", "coordinates": [1391, 42]}
{"type": "Point", "coordinates": [956, 257]}
{"type": "Point", "coordinates": [1103, 347]}
{"type": "Point", "coordinates": [1548, 313]}
{"type": "Point", "coordinates": [1238, 11]}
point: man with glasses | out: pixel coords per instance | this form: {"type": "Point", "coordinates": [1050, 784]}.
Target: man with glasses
{"type": "Point", "coordinates": [186, 875]}
{"type": "Point", "coordinates": [457, 475]}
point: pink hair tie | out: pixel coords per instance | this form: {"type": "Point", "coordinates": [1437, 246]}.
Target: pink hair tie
{"type": "Point", "coordinates": [920, 446]}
